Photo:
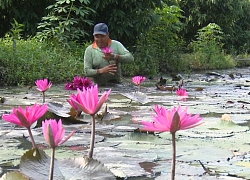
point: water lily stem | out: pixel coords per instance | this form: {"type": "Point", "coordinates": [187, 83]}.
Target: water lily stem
{"type": "Point", "coordinates": [139, 88]}
{"type": "Point", "coordinates": [173, 156]}
{"type": "Point", "coordinates": [32, 138]}
{"type": "Point", "coordinates": [92, 141]}
{"type": "Point", "coordinates": [43, 97]}
{"type": "Point", "coordinates": [51, 171]}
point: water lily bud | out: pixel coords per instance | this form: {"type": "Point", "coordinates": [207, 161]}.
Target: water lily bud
{"type": "Point", "coordinates": [175, 126]}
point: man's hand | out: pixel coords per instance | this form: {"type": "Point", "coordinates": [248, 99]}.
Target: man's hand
{"type": "Point", "coordinates": [108, 56]}
{"type": "Point", "coordinates": [111, 69]}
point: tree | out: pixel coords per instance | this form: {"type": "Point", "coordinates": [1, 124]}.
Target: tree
{"type": "Point", "coordinates": [158, 48]}
{"type": "Point", "coordinates": [240, 38]}
{"type": "Point", "coordinates": [26, 12]}
{"type": "Point", "coordinates": [65, 21]}
{"type": "Point", "coordinates": [199, 13]}
{"type": "Point", "coordinates": [126, 19]}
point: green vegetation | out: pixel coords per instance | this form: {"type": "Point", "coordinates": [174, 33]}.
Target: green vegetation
{"type": "Point", "coordinates": [32, 59]}
{"type": "Point", "coordinates": [207, 50]}
{"type": "Point", "coordinates": [159, 49]}
{"type": "Point", "coordinates": [47, 39]}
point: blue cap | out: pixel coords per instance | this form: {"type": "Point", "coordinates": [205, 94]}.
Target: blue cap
{"type": "Point", "coordinates": [101, 28]}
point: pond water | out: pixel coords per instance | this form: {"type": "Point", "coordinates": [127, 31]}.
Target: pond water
{"type": "Point", "coordinates": [222, 146]}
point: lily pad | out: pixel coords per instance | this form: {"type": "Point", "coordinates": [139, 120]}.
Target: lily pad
{"type": "Point", "coordinates": [14, 175]}
{"type": "Point", "coordinates": [137, 97]}
{"type": "Point", "coordinates": [82, 168]}
{"type": "Point", "coordinates": [58, 109]}
{"type": "Point", "coordinates": [35, 164]}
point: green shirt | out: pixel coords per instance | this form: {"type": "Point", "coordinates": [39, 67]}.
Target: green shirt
{"type": "Point", "coordinates": [93, 61]}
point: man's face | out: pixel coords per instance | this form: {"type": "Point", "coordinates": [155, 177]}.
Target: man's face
{"type": "Point", "coordinates": [101, 40]}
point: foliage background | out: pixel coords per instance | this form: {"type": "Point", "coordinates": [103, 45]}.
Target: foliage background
{"type": "Point", "coordinates": [33, 60]}
{"type": "Point", "coordinates": [47, 38]}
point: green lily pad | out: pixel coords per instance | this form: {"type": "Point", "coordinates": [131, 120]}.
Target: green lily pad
{"type": "Point", "coordinates": [35, 164]}
{"type": "Point", "coordinates": [137, 97]}
{"type": "Point", "coordinates": [58, 109]}
{"type": "Point", "coordinates": [14, 175]}
{"type": "Point", "coordinates": [10, 153]}
{"type": "Point", "coordinates": [82, 168]}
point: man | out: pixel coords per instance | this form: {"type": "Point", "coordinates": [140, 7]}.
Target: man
{"type": "Point", "coordinates": [103, 58]}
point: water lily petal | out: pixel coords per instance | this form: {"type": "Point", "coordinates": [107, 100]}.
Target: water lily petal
{"type": "Point", "coordinates": [171, 120]}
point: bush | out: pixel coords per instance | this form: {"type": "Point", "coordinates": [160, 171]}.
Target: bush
{"type": "Point", "coordinates": [202, 61]}
{"type": "Point", "coordinates": [207, 51]}
{"type": "Point", "coordinates": [158, 50]}
{"type": "Point", "coordinates": [243, 59]}
{"type": "Point", "coordinates": [32, 59]}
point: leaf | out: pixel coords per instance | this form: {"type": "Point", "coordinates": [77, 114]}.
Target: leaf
{"type": "Point", "coordinates": [58, 109]}
{"type": "Point", "coordinates": [35, 164]}
{"type": "Point", "coordinates": [137, 96]}
{"type": "Point", "coordinates": [14, 175]}
{"type": "Point", "coordinates": [109, 117]}
{"type": "Point", "coordinates": [83, 168]}
{"type": "Point", "coordinates": [104, 115]}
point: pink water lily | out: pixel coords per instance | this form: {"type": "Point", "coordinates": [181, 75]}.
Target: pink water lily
{"type": "Point", "coordinates": [78, 83]}
{"type": "Point", "coordinates": [137, 80]}
{"type": "Point", "coordinates": [164, 118]}
{"type": "Point", "coordinates": [54, 132]}
{"type": "Point", "coordinates": [171, 120]}
{"type": "Point", "coordinates": [26, 117]}
{"type": "Point", "coordinates": [43, 85]}
{"type": "Point", "coordinates": [71, 102]}
{"type": "Point", "coordinates": [107, 50]}
{"type": "Point", "coordinates": [87, 100]}
{"type": "Point", "coordinates": [181, 92]}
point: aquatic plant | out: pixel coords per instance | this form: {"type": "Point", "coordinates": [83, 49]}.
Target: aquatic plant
{"type": "Point", "coordinates": [107, 50]}
{"type": "Point", "coordinates": [88, 102]}
{"type": "Point", "coordinates": [43, 85]}
{"type": "Point", "coordinates": [171, 120]}
{"type": "Point", "coordinates": [181, 92]}
{"type": "Point", "coordinates": [137, 80]}
{"type": "Point", "coordinates": [78, 82]}
{"type": "Point", "coordinates": [26, 117]}
{"type": "Point", "coordinates": [53, 133]}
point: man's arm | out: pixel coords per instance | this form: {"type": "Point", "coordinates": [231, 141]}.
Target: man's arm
{"type": "Point", "coordinates": [88, 64]}
{"type": "Point", "coordinates": [124, 55]}
{"type": "Point", "coordinates": [89, 71]}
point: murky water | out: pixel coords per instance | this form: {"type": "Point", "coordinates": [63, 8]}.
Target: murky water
{"type": "Point", "coordinates": [144, 156]}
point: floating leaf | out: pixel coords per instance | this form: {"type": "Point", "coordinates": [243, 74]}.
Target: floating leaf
{"type": "Point", "coordinates": [109, 117]}
{"type": "Point", "coordinates": [35, 164]}
{"type": "Point", "coordinates": [14, 175]}
{"type": "Point", "coordinates": [83, 168]}
{"type": "Point", "coordinates": [58, 109]}
{"type": "Point", "coordinates": [137, 97]}
{"type": "Point", "coordinates": [10, 154]}
{"type": "Point", "coordinates": [4, 132]}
